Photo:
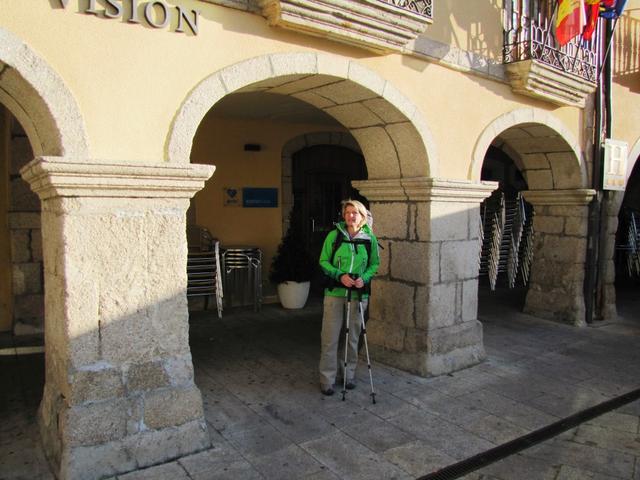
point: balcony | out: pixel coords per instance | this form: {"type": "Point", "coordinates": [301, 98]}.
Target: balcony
{"type": "Point", "coordinates": [537, 66]}
{"type": "Point", "coordinates": [381, 26]}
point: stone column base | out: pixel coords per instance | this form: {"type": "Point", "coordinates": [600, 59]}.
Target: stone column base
{"type": "Point", "coordinates": [448, 349]}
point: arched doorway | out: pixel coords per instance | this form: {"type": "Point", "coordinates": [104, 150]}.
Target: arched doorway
{"type": "Point", "coordinates": [404, 198]}
{"type": "Point", "coordinates": [551, 165]}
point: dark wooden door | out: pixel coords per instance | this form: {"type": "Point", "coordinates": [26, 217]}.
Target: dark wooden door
{"type": "Point", "coordinates": [322, 178]}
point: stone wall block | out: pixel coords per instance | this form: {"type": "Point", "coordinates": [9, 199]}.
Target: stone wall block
{"type": "Point", "coordinates": [392, 302]}
{"type": "Point", "coordinates": [154, 446]}
{"type": "Point", "coordinates": [22, 197]}
{"type": "Point", "coordinates": [27, 278]}
{"type": "Point", "coordinates": [353, 115]}
{"type": "Point", "coordinates": [36, 245]}
{"type": "Point", "coordinates": [28, 220]}
{"type": "Point", "coordinates": [416, 340]}
{"type": "Point", "coordinates": [378, 149]}
{"type": "Point", "coordinates": [546, 224]}
{"type": "Point", "coordinates": [449, 221]}
{"type": "Point", "coordinates": [390, 218]}
{"type": "Point", "coordinates": [95, 423]}
{"type": "Point", "coordinates": [449, 339]}
{"type": "Point", "coordinates": [536, 161]}
{"type": "Point", "coordinates": [95, 383]}
{"type": "Point", "coordinates": [146, 376]}
{"type": "Point", "coordinates": [459, 261]}
{"type": "Point", "coordinates": [20, 246]}
{"type": "Point", "coordinates": [27, 307]}
{"type": "Point", "coordinates": [539, 179]}
{"type": "Point", "coordinates": [410, 149]}
{"type": "Point", "coordinates": [576, 226]}
{"type": "Point", "coordinates": [169, 407]}
{"type": "Point", "coordinates": [387, 335]}
{"type": "Point", "coordinates": [413, 223]}
{"type": "Point", "coordinates": [21, 154]}
{"type": "Point", "coordinates": [436, 306]}
{"type": "Point", "coordinates": [575, 211]}
{"type": "Point", "coordinates": [384, 252]}
{"type": "Point", "coordinates": [564, 166]}
{"type": "Point", "coordinates": [564, 249]}
{"type": "Point", "coordinates": [410, 261]}
{"type": "Point", "coordinates": [423, 221]}
{"type": "Point", "coordinates": [469, 300]}
{"type": "Point", "coordinates": [179, 369]}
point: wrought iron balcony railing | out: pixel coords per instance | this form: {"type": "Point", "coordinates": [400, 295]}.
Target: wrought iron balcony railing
{"type": "Point", "coordinates": [421, 7]}
{"type": "Point", "coordinates": [537, 65]}
{"type": "Point", "coordinates": [529, 35]}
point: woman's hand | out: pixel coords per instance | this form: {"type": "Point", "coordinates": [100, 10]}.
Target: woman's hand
{"type": "Point", "coordinates": [349, 282]}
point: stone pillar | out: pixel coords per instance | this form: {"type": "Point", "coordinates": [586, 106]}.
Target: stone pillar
{"type": "Point", "coordinates": [119, 391]}
{"type": "Point", "coordinates": [556, 285]}
{"type": "Point", "coordinates": [423, 316]}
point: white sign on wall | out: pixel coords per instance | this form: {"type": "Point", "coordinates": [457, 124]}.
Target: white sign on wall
{"type": "Point", "coordinates": [615, 164]}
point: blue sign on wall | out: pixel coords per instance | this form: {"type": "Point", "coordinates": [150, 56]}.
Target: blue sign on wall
{"type": "Point", "coordinates": [259, 197]}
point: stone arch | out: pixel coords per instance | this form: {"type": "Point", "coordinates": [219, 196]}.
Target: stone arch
{"type": "Point", "coordinates": [335, 138]}
{"type": "Point", "coordinates": [391, 131]}
{"type": "Point", "coordinates": [37, 96]}
{"type": "Point", "coordinates": [540, 145]}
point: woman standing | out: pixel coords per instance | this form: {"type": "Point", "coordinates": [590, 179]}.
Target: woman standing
{"type": "Point", "coordinates": [349, 257]}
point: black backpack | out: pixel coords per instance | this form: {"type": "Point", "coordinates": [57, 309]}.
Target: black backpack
{"type": "Point", "coordinates": [332, 283]}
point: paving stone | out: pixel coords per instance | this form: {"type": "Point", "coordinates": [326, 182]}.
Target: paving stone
{"type": "Point", "coordinates": [495, 429]}
{"type": "Point", "coordinates": [584, 456]}
{"type": "Point", "coordinates": [567, 472]}
{"type": "Point", "coordinates": [167, 471]}
{"type": "Point", "coordinates": [378, 435]}
{"type": "Point", "coordinates": [349, 459]}
{"type": "Point", "coordinates": [441, 434]}
{"type": "Point", "coordinates": [290, 463]}
{"type": "Point", "coordinates": [230, 471]}
{"type": "Point", "coordinates": [609, 439]}
{"type": "Point", "coordinates": [210, 459]}
{"type": "Point", "coordinates": [418, 458]}
{"type": "Point", "coordinates": [520, 466]}
{"type": "Point", "coordinates": [256, 441]}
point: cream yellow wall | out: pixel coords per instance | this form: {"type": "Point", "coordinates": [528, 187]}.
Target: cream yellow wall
{"type": "Point", "coordinates": [129, 80]}
{"type": "Point", "coordinates": [220, 142]}
{"type": "Point", "coordinates": [626, 76]}
{"type": "Point", "coordinates": [6, 297]}
{"type": "Point", "coordinates": [477, 29]}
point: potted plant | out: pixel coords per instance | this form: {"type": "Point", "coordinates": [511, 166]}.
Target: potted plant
{"type": "Point", "coordinates": [292, 268]}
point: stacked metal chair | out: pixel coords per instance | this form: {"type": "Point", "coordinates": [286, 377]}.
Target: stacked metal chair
{"type": "Point", "coordinates": [629, 247]}
{"type": "Point", "coordinates": [507, 239]}
{"type": "Point", "coordinates": [203, 267]}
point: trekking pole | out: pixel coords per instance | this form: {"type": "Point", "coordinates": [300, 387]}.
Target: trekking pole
{"type": "Point", "coordinates": [346, 345]}
{"type": "Point", "coordinates": [366, 347]}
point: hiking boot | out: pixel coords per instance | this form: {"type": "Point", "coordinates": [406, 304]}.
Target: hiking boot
{"type": "Point", "coordinates": [327, 391]}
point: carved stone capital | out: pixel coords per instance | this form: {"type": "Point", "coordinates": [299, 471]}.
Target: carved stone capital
{"type": "Point", "coordinates": [51, 177]}
{"type": "Point", "coordinates": [425, 189]}
{"type": "Point", "coordinates": [577, 197]}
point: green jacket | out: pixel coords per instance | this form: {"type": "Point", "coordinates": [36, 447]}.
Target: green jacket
{"type": "Point", "coordinates": [349, 257]}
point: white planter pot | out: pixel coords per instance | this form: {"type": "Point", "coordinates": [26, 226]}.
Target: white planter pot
{"type": "Point", "coordinates": [293, 294]}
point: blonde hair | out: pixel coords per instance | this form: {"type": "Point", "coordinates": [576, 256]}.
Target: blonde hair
{"type": "Point", "coordinates": [362, 210]}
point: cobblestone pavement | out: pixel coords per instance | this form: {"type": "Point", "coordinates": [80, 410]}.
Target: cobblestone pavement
{"type": "Point", "coordinates": [268, 420]}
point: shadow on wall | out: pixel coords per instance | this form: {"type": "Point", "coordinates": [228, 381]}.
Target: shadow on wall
{"type": "Point", "coordinates": [483, 34]}
{"type": "Point", "coordinates": [626, 55]}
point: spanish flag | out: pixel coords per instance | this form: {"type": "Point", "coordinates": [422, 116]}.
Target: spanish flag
{"type": "Point", "coordinates": [570, 20]}
{"type": "Point", "coordinates": [593, 12]}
